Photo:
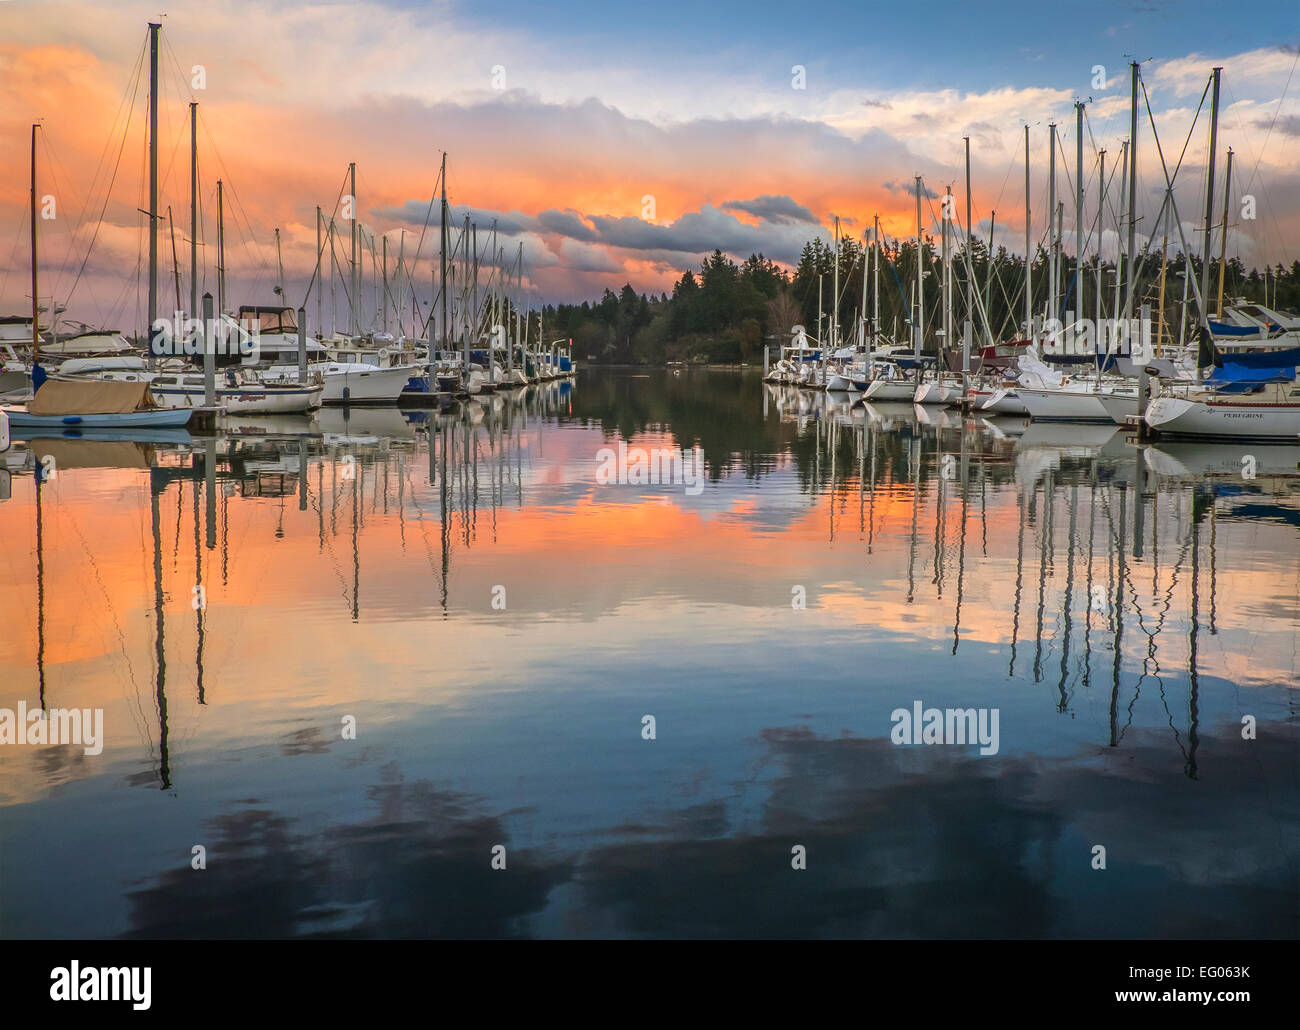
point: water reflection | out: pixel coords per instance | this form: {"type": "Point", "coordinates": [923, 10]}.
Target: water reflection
{"type": "Point", "coordinates": [497, 624]}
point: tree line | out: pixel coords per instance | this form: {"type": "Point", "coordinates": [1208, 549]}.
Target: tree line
{"type": "Point", "coordinates": [728, 310]}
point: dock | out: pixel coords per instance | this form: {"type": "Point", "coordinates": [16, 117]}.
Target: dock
{"type": "Point", "coordinates": [1138, 426]}
{"type": "Point", "coordinates": [204, 418]}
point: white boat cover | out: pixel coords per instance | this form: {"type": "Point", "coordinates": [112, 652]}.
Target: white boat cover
{"type": "Point", "coordinates": [90, 343]}
{"type": "Point", "coordinates": [1034, 374]}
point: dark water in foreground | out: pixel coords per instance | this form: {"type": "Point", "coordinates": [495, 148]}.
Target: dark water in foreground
{"type": "Point", "coordinates": [1121, 609]}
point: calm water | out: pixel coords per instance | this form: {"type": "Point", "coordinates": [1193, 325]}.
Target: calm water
{"type": "Point", "coordinates": [498, 624]}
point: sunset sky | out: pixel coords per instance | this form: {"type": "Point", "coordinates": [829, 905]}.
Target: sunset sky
{"type": "Point", "coordinates": [560, 121]}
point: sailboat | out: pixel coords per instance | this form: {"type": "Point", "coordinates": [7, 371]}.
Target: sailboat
{"type": "Point", "coordinates": [943, 389]}
{"type": "Point", "coordinates": [71, 403]}
{"type": "Point", "coordinates": [1250, 393]}
{"type": "Point", "coordinates": [996, 395]}
{"type": "Point", "coordinates": [1238, 400]}
{"type": "Point", "coordinates": [62, 403]}
{"type": "Point", "coordinates": [1244, 324]}
{"type": "Point", "coordinates": [891, 382]}
{"type": "Point", "coordinates": [940, 387]}
{"type": "Point", "coordinates": [1274, 415]}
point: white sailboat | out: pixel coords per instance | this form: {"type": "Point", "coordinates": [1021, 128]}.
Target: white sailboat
{"type": "Point", "coordinates": [1073, 402]}
{"type": "Point", "coordinates": [1248, 395]}
{"type": "Point", "coordinates": [176, 385]}
{"type": "Point", "coordinates": [890, 384]}
{"type": "Point", "coordinates": [1271, 411]}
{"type": "Point", "coordinates": [997, 398]}
{"type": "Point", "coordinates": [236, 391]}
{"type": "Point", "coordinates": [942, 390]}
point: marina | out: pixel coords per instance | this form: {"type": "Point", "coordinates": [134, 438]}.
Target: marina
{"type": "Point", "coordinates": [471, 473]}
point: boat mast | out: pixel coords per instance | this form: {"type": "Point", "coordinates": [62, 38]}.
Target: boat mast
{"type": "Point", "coordinates": [970, 258]}
{"type": "Point", "coordinates": [1029, 253]}
{"type": "Point", "coordinates": [1223, 243]}
{"type": "Point", "coordinates": [374, 283]}
{"type": "Point", "coordinates": [1078, 208]}
{"type": "Point", "coordinates": [1131, 272]}
{"type": "Point", "coordinates": [401, 296]}
{"type": "Point", "coordinates": [988, 277]}
{"type": "Point", "coordinates": [1101, 205]}
{"type": "Point", "coordinates": [1164, 267]}
{"type": "Point", "coordinates": [862, 321]}
{"type": "Point", "coordinates": [820, 337]}
{"type": "Point", "coordinates": [355, 298]}
{"type": "Point", "coordinates": [330, 235]}
{"type": "Point", "coordinates": [918, 327]}
{"type": "Point", "coordinates": [521, 320]}
{"type": "Point", "coordinates": [1119, 222]}
{"type": "Point", "coordinates": [221, 253]}
{"type": "Point", "coordinates": [1060, 256]}
{"type": "Point", "coordinates": [464, 301]}
{"type": "Point", "coordinates": [1051, 223]}
{"type": "Point", "coordinates": [152, 310]}
{"type": "Point", "coordinates": [498, 261]}
{"type": "Point", "coordinates": [835, 291]}
{"type": "Point", "coordinates": [36, 303]}
{"type": "Point", "coordinates": [1209, 201]}
{"type": "Point", "coordinates": [194, 209]}
{"type": "Point", "coordinates": [279, 265]}
{"type": "Point", "coordinates": [442, 250]}
{"type": "Point", "coordinates": [875, 280]}
{"type": "Point", "coordinates": [946, 297]}
{"type": "Point", "coordinates": [1182, 311]}
{"type": "Point", "coordinates": [176, 268]}
{"type": "Point", "coordinates": [320, 292]}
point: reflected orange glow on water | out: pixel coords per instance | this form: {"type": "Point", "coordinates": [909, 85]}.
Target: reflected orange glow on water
{"type": "Point", "coordinates": [1005, 576]}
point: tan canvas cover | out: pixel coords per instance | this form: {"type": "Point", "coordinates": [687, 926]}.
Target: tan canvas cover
{"type": "Point", "coordinates": [90, 397]}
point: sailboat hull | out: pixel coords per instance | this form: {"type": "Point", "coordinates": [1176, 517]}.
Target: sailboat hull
{"type": "Point", "coordinates": [1182, 416]}
{"type": "Point", "coordinates": [372, 386]}
{"type": "Point", "coordinates": [252, 400]}
{"type": "Point", "coordinates": [154, 417]}
{"type": "Point", "coordinates": [935, 393]}
{"type": "Point", "coordinates": [1004, 402]}
{"type": "Point", "coordinates": [1119, 406]}
{"type": "Point", "coordinates": [1062, 406]}
{"type": "Point", "coordinates": [890, 390]}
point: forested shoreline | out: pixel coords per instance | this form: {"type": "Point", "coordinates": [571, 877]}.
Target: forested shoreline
{"type": "Point", "coordinates": [722, 313]}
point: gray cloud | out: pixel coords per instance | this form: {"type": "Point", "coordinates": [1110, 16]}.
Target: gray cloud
{"type": "Point", "coordinates": [909, 189]}
{"type": "Point", "coordinates": [1287, 124]}
{"type": "Point", "coordinates": [414, 213]}
{"type": "Point", "coordinates": [783, 228]}
{"type": "Point", "coordinates": [567, 223]}
{"type": "Point", "coordinates": [772, 208]}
